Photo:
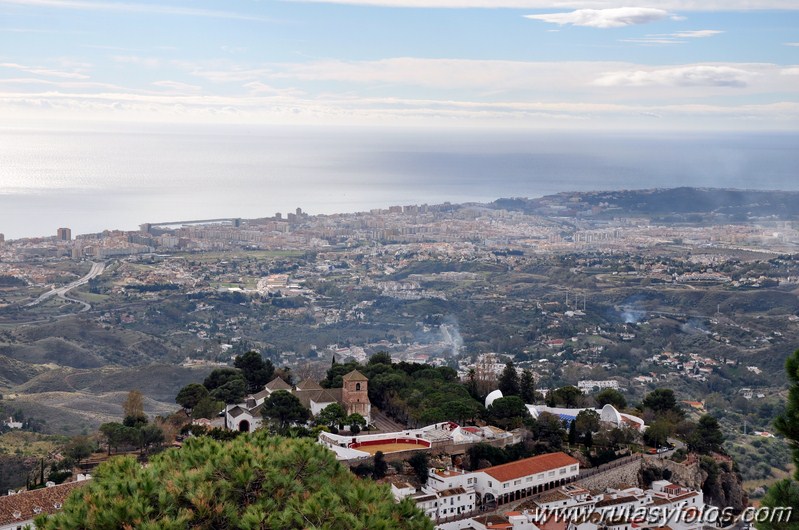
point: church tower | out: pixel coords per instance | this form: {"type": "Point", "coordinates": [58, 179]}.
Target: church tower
{"type": "Point", "coordinates": [355, 394]}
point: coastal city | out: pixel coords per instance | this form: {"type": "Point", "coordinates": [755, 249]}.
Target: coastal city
{"type": "Point", "coordinates": [589, 311]}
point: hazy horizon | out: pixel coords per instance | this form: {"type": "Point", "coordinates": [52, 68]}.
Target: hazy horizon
{"type": "Point", "coordinates": [95, 180]}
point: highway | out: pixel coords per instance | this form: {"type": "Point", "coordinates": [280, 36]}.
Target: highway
{"type": "Point", "coordinates": [96, 270]}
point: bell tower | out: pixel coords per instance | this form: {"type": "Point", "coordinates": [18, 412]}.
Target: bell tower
{"type": "Point", "coordinates": [355, 394]}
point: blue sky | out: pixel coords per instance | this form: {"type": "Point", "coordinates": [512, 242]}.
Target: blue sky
{"type": "Point", "coordinates": [583, 64]}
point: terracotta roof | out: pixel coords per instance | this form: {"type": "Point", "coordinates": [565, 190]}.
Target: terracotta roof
{"type": "Point", "coordinates": [278, 384]}
{"type": "Point", "coordinates": [29, 504]}
{"type": "Point", "coordinates": [530, 466]}
{"type": "Point", "coordinates": [556, 495]}
{"type": "Point", "coordinates": [355, 375]}
{"type": "Point", "coordinates": [307, 385]}
{"type": "Point", "coordinates": [452, 491]}
{"type": "Point", "coordinates": [493, 521]}
{"type": "Point", "coordinates": [317, 396]}
{"type": "Point", "coordinates": [263, 394]}
{"type": "Point", "coordinates": [614, 501]}
{"type": "Point", "coordinates": [236, 411]}
{"type": "Point", "coordinates": [424, 497]}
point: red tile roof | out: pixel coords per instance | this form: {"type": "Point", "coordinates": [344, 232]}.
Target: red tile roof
{"type": "Point", "coordinates": [355, 375]}
{"type": "Point", "coordinates": [28, 504]}
{"type": "Point", "coordinates": [530, 466]}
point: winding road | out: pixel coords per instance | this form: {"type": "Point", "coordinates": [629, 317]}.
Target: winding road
{"type": "Point", "coordinates": [96, 270]}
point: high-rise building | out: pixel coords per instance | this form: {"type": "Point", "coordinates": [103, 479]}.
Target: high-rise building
{"type": "Point", "coordinates": [64, 234]}
{"type": "Point", "coordinates": [2, 238]}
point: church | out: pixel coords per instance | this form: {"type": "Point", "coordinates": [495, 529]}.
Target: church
{"type": "Point", "coordinates": [353, 396]}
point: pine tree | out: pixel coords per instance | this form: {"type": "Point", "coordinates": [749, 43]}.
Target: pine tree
{"type": "Point", "coordinates": [527, 387]}
{"type": "Point", "coordinates": [252, 481]}
{"type": "Point", "coordinates": [786, 492]}
{"type": "Point", "coordinates": [509, 380]}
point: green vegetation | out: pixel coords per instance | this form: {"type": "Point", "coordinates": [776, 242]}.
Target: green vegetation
{"type": "Point", "coordinates": [282, 410]}
{"type": "Point", "coordinates": [611, 396]}
{"type": "Point", "coordinates": [253, 481]}
{"type": "Point", "coordinates": [417, 394]}
{"type": "Point", "coordinates": [786, 492]}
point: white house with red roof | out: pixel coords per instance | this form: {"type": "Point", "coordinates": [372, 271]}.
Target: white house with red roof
{"type": "Point", "coordinates": [512, 481]}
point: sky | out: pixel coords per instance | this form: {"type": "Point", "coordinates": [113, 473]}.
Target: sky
{"type": "Point", "coordinates": [699, 65]}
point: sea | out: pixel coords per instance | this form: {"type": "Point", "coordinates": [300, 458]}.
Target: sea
{"type": "Point", "coordinates": [96, 178]}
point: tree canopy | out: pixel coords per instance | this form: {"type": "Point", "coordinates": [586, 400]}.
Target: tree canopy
{"type": "Point", "coordinates": [611, 396]}
{"type": "Point", "coordinates": [707, 436]}
{"type": "Point", "coordinates": [567, 396]}
{"type": "Point", "coordinates": [508, 412]}
{"type": "Point", "coordinates": [220, 376]}
{"type": "Point", "coordinates": [416, 394]}
{"type": "Point", "coordinates": [190, 395]}
{"type": "Point", "coordinates": [509, 380]}
{"type": "Point", "coordinates": [786, 492]}
{"type": "Point", "coordinates": [787, 423]}
{"type": "Point", "coordinates": [257, 372]}
{"type": "Point", "coordinates": [661, 400]}
{"type": "Point", "coordinates": [527, 386]}
{"type": "Point", "coordinates": [253, 481]}
{"type": "Point", "coordinates": [283, 409]}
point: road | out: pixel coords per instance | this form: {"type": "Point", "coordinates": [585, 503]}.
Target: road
{"type": "Point", "coordinates": [96, 270]}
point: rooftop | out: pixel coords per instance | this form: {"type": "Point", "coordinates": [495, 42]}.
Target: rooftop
{"type": "Point", "coordinates": [530, 466]}
{"type": "Point", "coordinates": [355, 375]}
{"type": "Point", "coordinates": [29, 504]}
{"type": "Point", "coordinates": [278, 384]}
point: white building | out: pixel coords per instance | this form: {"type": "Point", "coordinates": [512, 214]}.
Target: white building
{"type": "Point", "coordinates": [447, 503]}
{"type": "Point", "coordinates": [589, 385]}
{"type": "Point", "coordinates": [11, 424]}
{"type": "Point", "coordinates": [512, 481]}
{"type": "Point", "coordinates": [666, 505]}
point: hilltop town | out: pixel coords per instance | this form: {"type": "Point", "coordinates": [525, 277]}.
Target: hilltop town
{"type": "Point", "coordinates": [576, 289]}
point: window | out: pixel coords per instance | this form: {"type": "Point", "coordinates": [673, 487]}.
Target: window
{"type": "Point", "coordinates": [573, 468]}
{"type": "Point", "coordinates": [357, 387]}
{"type": "Point", "coordinates": [517, 482]}
{"type": "Point", "coordinates": [563, 471]}
{"type": "Point", "coordinates": [552, 473]}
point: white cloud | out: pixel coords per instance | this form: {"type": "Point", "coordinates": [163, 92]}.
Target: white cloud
{"type": "Point", "coordinates": [148, 62]}
{"type": "Point", "coordinates": [38, 70]}
{"type": "Point", "coordinates": [233, 50]}
{"type": "Point", "coordinates": [791, 43]}
{"type": "Point", "coordinates": [178, 87]}
{"type": "Point", "coordinates": [672, 5]}
{"type": "Point", "coordinates": [696, 34]}
{"type": "Point", "coordinates": [359, 110]}
{"type": "Point", "coordinates": [63, 85]}
{"type": "Point", "coordinates": [653, 41]}
{"type": "Point", "coordinates": [604, 18]}
{"type": "Point", "coordinates": [672, 38]}
{"type": "Point", "coordinates": [122, 7]}
{"type": "Point", "coordinates": [424, 91]}
{"type": "Point", "coordinates": [684, 76]}
{"type": "Point", "coordinates": [491, 76]}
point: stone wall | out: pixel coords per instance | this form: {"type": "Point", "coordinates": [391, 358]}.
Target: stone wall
{"type": "Point", "coordinates": [687, 474]}
{"type": "Point", "coordinates": [611, 477]}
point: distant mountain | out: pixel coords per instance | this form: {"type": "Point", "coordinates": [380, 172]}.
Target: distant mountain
{"type": "Point", "coordinates": [671, 204]}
